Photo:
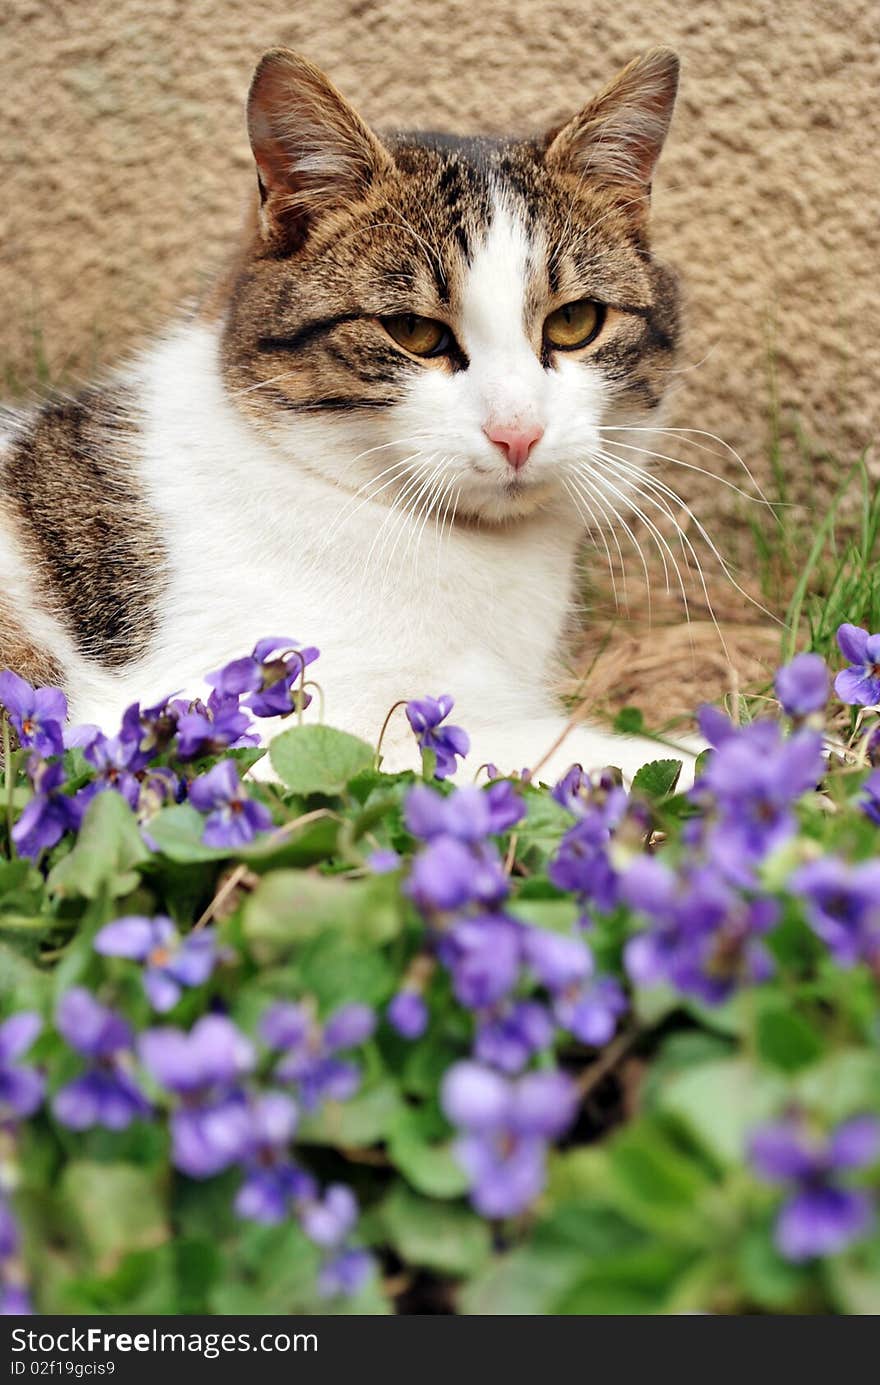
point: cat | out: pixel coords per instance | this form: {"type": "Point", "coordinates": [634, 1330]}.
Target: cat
{"type": "Point", "coordinates": [374, 437]}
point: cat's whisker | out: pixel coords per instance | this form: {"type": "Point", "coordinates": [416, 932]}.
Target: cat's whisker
{"type": "Point", "coordinates": [658, 536]}
{"type": "Point", "coordinates": [430, 251]}
{"type": "Point", "coordinates": [580, 482]}
{"type": "Point", "coordinates": [656, 484]}
{"type": "Point", "coordinates": [660, 504]}
{"type": "Point", "coordinates": [430, 490]}
{"type": "Point", "coordinates": [687, 466]}
{"type": "Point", "coordinates": [447, 506]}
{"type": "Point", "coordinates": [686, 435]}
{"type": "Point", "coordinates": [389, 517]}
{"type": "Point", "coordinates": [660, 540]}
{"type": "Point", "coordinates": [261, 384]}
{"type": "Point", "coordinates": [451, 528]}
{"type": "Point", "coordinates": [393, 472]}
{"type": "Point", "coordinates": [611, 514]}
{"type": "Point", "coordinates": [401, 506]}
{"type": "Point", "coordinates": [408, 520]}
{"type": "Point", "coordinates": [599, 480]}
{"type": "Point", "coordinates": [594, 526]}
{"type": "Point", "coordinates": [440, 518]}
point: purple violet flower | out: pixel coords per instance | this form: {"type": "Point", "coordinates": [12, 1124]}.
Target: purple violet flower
{"type": "Point", "coordinates": [172, 962]}
{"type": "Point", "coordinates": [483, 955]}
{"type": "Point", "coordinates": [509, 1036]}
{"type": "Point", "coordinates": [49, 814]}
{"type": "Point", "coordinates": [705, 939]}
{"type": "Point", "coordinates": [234, 819]}
{"type": "Point", "coordinates": [37, 714]}
{"type": "Point", "coordinates": [272, 1180]}
{"type": "Point", "coordinates": [754, 778]}
{"type": "Point", "coordinates": [208, 728]}
{"type": "Point", "coordinates": [407, 1014]}
{"type": "Point", "coordinates": [870, 803]}
{"type": "Point", "coordinates": [344, 1274]}
{"type": "Point", "coordinates": [468, 814]}
{"type": "Point", "coordinates": [592, 1012]}
{"type": "Point", "coordinates": [383, 861]}
{"type": "Point", "coordinates": [425, 716]}
{"type": "Point", "coordinates": [272, 675]}
{"type": "Point", "coordinates": [820, 1217]}
{"type": "Point", "coordinates": [21, 1087]}
{"type": "Point", "coordinates": [588, 1008]}
{"type": "Point", "coordinates": [151, 729]}
{"type": "Point", "coordinates": [447, 874]}
{"type": "Point", "coordinates": [860, 683]}
{"type": "Point", "coordinates": [843, 906]}
{"type": "Point", "coordinates": [802, 686]}
{"type": "Point", "coordinates": [505, 1129]}
{"type": "Point", "coordinates": [212, 1125]}
{"type": "Point", "coordinates": [308, 1049]}
{"type": "Point", "coordinates": [117, 762]}
{"type": "Point", "coordinates": [330, 1220]}
{"type": "Point", "coordinates": [106, 1093]}
{"type": "Point", "coordinates": [10, 1236]}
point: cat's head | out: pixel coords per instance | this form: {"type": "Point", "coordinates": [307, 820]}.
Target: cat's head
{"type": "Point", "coordinates": [454, 316]}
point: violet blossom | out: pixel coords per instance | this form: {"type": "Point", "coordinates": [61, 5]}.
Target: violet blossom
{"type": "Point", "coordinates": [105, 1094]}
{"type": "Point", "coordinates": [448, 743]}
{"type": "Point", "coordinates": [233, 819]}
{"type": "Point", "coordinates": [821, 1215]}
{"type": "Point", "coordinates": [37, 714]}
{"type": "Point", "coordinates": [172, 962]}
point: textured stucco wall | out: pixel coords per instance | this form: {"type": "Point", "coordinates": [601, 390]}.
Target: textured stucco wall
{"type": "Point", "coordinates": [124, 166]}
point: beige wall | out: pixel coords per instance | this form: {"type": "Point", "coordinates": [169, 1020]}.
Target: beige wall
{"type": "Point", "coordinates": [124, 163]}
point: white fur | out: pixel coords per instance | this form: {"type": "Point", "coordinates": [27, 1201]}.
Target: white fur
{"type": "Point", "coordinates": [269, 536]}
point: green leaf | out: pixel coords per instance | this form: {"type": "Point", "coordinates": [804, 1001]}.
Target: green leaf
{"type": "Point", "coordinates": [177, 832]}
{"type": "Point", "coordinates": [290, 908]}
{"type": "Point", "coordinates": [527, 1282]}
{"type": "Point", "coordinates": [635, 1282]}
{"type": "Point", "coordinates": [630, 721]}
{"type": "Point", "coordinates": [107, 851]}
{"type": "Point", "coordinates": [22, 986]}
{"type": "Point", "coordinates": [443, 1237]}
{"type": "Point", "coordinates": [655, 1184]}
{"type": "Point", "coordinates": [785, 1040]}
{"type": "Point", "coordinates": [317, 759]}
{"type": "Point", "coordinates": [428, 1164]}
{"type": "Point", "coordinates": [854, 1279]}
{"type": "Point", "coordinates": [144, 1281]}
{"type": "Point", "coordinates": [363, 1120]}
{"type": "Point", "coordinates": [115, 1208]}
{"type": "Point", "coordinates": [721, 1101]}
{"type": "Point", "coordinates": [843, 1084]}
{"type": "Point", "coordinates": [769, 1281]}
{"type": "Point", "coordinates": [657, 779]}
{"type": "Point", "coordinates": [554, 915]}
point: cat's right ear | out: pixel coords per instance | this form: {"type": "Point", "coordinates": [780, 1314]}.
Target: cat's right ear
{"type": "Point", "coordinates": [617, 138]}
{"type": "Point", "coordinates": [312, 150]}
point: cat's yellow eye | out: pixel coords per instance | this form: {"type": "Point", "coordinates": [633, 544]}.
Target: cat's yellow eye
{"type": "Point", "coordinates": [574, 325]}
{"type": "Point", "coordinates": [423, 336]}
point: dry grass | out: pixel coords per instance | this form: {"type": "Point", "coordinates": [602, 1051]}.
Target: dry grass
{"type": "Point", "coordinates": [668, 666]}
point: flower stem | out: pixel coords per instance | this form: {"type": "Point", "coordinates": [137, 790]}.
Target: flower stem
{"type": "Point", "coordinates": [8, 782]}
{"type": "Point", "coordinates": [378, 760]}
{"type": "Point", "coordinates": [320, 691]}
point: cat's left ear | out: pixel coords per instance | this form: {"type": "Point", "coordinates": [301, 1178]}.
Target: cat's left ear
{"type": "Point", "coordinates": [312, 150]}
{"type": "Point", "coordinates": [616, 139]}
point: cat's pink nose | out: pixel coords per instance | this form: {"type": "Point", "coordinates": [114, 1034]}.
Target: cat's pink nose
{"type": "Point", "coordinates": [516, 440]}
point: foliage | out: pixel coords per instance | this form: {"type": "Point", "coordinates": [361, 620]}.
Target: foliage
{"type": "Point", "coordinates": [498, 1048]}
